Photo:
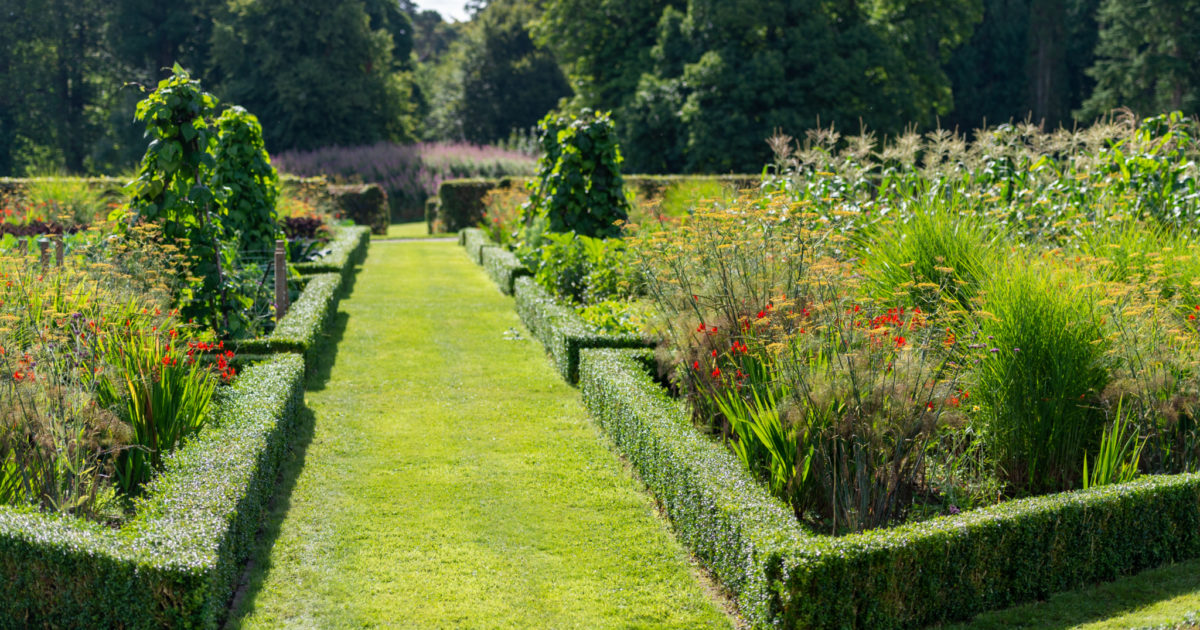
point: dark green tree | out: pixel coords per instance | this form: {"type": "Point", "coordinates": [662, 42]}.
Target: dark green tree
{"type": "Point", "coordinates": [1147, 58]}
{"type": "Point", "coordinates": [508, 82]}
{"type": "Point", "coordinates": [316, 71]}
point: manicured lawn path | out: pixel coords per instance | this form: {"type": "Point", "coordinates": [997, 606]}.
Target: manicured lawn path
{"type": "Point", "coordinates": [449, 478]}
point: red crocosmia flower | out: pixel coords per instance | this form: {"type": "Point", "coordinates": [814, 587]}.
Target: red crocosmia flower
{"type": "Point", "coordinates": [929, 406]}
{"type": "Point", "coordinates": [761, 314]}
{"type": "Point", "coordinates": [714, 353]}
{"type": "Point", "coordinates": [900, 341]}
{"type": "Point", "coordinates": [953, 402]}
{"type": "Point", "coordinates": [712, 331]}
{"type": "Point", "coordinates": [716, 373]}
{"type": "Point", "coordinates": [700, 328]}
{"type": "Point", "coordinates": [695, 298]}
{"type": "Point", "coordinates": [696, 365]}
{"type": "Point", "coordinates": [18, 376]}
{"type": "Point", "coordinates": [1191, 317]}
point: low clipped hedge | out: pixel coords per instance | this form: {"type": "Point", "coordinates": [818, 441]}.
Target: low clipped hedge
{"type": "Point", "coordinates": [561, 330]}
{"type": "Point", "coordinates": [300, 329]}
{"type": "Point", "coordinates": [475, 240]}
{"type": "Point", "coordinates": [365, 204]}
{"type": "Point", "coordinates": [503, 267]}
{"type": "Point", "coordinates": [347, 249]}
{"type": "Point", "coordinates": [943, 569]}
{"type": "Point", "coordinates": [175, 564]}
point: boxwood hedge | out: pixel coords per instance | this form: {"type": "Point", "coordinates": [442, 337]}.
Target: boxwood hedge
{"type": "Point", "coordinates": [503, 267]}
{"type": "Point", "coordinates": [561, 330]}
{"type": "Point", "coordinates": [942, 569]}
{"type": "Point", "coordinates": [475, 240]}
{"type": "Point", "coordinates": [300, 329]}
{"type": "Point", "coordinates": [347, 249]}
{"type": "Point", "coordinates": [176, 563]}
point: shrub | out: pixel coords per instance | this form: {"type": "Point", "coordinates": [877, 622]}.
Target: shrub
{"type": "Point", "coordinates": [578, 186]}
{"type": "Point", "coordinates": [365, 205]}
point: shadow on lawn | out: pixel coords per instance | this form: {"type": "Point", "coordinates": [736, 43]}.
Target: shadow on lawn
{"type": "Point", "coordinates": [1096, 604]}
{"type": "Point", "coordinates": [258, 566]}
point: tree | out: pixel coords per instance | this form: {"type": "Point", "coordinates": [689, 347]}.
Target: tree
{"type": "Point", "coordinates": [697, 85]}
{"type": "Point", "coordinates": [317, 72]}
{"type": "Point", "coordinates": [1146, 58]}
{"type": "Point", "coordinates": [507, 81]}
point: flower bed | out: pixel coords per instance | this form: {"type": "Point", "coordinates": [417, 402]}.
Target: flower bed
{"type": "Point", "coordinates": [175, 564]}
{"type": "Point", "coordinates": [942, 569]}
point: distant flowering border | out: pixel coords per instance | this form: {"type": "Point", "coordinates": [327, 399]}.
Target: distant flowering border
{"type": "Point", "coordinates": [176, 563]}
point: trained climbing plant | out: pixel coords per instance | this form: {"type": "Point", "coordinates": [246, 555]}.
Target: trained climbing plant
{"type": "Point", "coordinates": [249, 183]}
{"type": "Point", "coordinates": [579, 185]}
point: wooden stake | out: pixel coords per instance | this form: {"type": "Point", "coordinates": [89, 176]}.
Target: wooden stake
{"type": "Point", "coordinates": [281, 291]}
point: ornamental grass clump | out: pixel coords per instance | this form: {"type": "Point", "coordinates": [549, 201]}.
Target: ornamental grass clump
{"type": "Point", "coordinates": [1041, 371]}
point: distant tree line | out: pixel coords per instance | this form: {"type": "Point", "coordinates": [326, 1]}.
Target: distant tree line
{"type": "Point", "coordinates": [694, 85]}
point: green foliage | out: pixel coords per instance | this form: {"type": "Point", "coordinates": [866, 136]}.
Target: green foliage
{"type": "Point", "coordinates": [250, 186]}
{"type": "Point", "coordinates": [347, 249]}
{"type": "Point", "coordinates": [1041, 375]}
{"type": "Point", "coordinates": [461, 202]}
{"type": "Point", "coordinates": [507, 82]}
{"type": "Point", "coordinates": [307, 319]}
{"type": "Point", "coordinates": [561, 330]}
{"type": "Point", "coordinates": [579, 186]}
{"type": "Point", "coordinates": [582, 269]}
{"type": "Point", "coordinates": [322, 74]}
{"type": "Point", "coordinates": [1119, 454]}
{"type": "Point", "coordinates": [934, 253]}
{"type": "Point", "coordinates": [165, 401]}
{"type": "Point", "coordinates": [503, 267]}
{"type": "Point", "coordinates": [172, 189]}
{"type": "Point", "coordinates": [1145, 58]}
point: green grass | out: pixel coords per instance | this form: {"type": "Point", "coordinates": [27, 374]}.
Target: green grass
{"type": "Point", "coordinates": [1163, 596]}
{"type": "Point", "coordinates": [449, 478]}
{"type": "Point", "coordinates": [410, 230]}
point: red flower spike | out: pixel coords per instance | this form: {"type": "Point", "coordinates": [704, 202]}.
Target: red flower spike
{"type": "Point", "coordinates": [714, 353]}
{"type": "Point", "coordinates": [696, 365]}
{"type": "Point", "coordinates": [929, 406]}
{"type": "Point", "coordinates": [716, 373]}
{"type": "Point", "coordinates": [761, 314]}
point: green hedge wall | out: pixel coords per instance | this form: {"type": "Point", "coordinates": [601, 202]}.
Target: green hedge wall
{"type": "Point", "coordinates": [365, 204]}
{"type": "Point", "coordinates": [176, 563]}
{"type": "Point", "coordinates": [503, 267]}
{"type": "Point", "coordinates": [300, 329]}
{"type": "Point", "coordinates": [347, 249]}
{"type": "Point", "coordinates": [905, 577]}
{"type": "Point", "coordinates": [561, 330]}
{"type": "Point", "coordinates": [460, 202]}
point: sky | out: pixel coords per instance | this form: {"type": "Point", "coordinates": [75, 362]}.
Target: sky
{"type": "Point", "coordinates": [450, 9]}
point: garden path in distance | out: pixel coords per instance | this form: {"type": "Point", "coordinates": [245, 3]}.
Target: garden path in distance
{"type": "Point", "coordinates": [447, 477]}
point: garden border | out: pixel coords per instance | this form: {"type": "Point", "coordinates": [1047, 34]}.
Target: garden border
{"type": "Point", "coordinates": [176, 562]}
{"type": "Point", "coordinates": [947, 568]}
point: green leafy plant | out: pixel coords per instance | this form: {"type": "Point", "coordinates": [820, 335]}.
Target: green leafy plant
{"type": "Point", "coordinates": [1119, 455]}
{"type": "Point", "coordinates": [242, 170]}
{"type": "Point", "coordinates": [579, 186]}
{"type": "Point", "coordinates": [172, 189]}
